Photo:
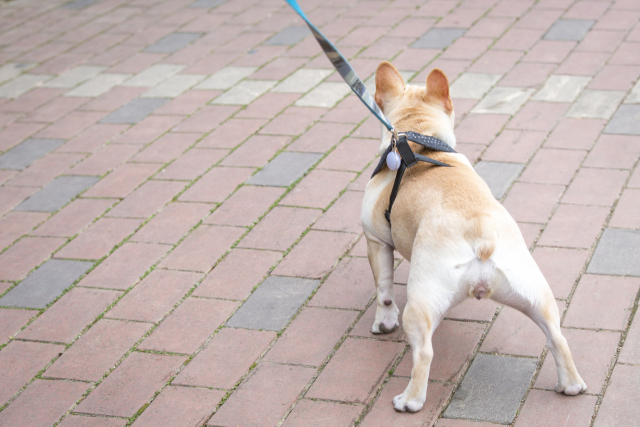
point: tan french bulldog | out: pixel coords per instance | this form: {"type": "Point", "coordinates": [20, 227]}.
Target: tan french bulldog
{"type": "Point", "coordinates": [461, 242]}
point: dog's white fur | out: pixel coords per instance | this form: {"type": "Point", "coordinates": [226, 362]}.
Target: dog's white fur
{"type": "Point", "coordinates": [461, 242]}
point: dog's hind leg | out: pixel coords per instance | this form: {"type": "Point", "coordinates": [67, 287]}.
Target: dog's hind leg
{"type": "Point", "coordinates": [381, 261]}
{"type": "Point", "coordinates": [526, 289]}
{"type": "Point", "coordinates": [418, 326]}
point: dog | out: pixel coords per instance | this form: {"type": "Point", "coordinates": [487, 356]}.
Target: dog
{"type": "Point", "coordinates": [460, 241]}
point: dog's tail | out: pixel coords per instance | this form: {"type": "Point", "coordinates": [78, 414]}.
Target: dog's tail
{"type": "Point", "coordinates": [484, 238]}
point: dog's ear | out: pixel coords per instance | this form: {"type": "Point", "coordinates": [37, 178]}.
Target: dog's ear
{"type": "Point", "coordinates": [438, 89]}
{"type": "Point", "coordinates": [389, 84]}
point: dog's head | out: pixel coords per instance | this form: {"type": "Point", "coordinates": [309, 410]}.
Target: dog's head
{"type": "Point", "coordinates": [424, 109]}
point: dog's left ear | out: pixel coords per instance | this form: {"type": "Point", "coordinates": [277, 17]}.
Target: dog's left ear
{"type": "Point", "coordinates": [438, 89]}
{"type": "Point", "coordinates": [389, 84]}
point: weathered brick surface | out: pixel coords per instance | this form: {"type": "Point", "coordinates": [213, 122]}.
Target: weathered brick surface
{"type": "Point", "coordinates": [99, 238]}
{"type": "Point", "coordinates": [11, 321]}
{"type": "Point", "coordinates": [237, 274]}
{"type": "Point", "coordinates": [194, 406]}
{"type": "Point", "coordinates": [69, 315]}
{"type": "Point", "coordinates": [154, 296]}
{"type": "Point", "coordinates": [55, 397]}
{"type": "Point", "coordinates": [131, 384]}
{"type": "Point", "coordinates": [311, 336]}
{"type": "Point", "coordinates": [226, 358]}
{"type": "Point", "coordinates": [20, 361]}
{"type": "Point", "coordinates": [269, 391]}
{"type": "Point", "coordinates": [202, 248]}
{"type": "Point", "coordinates": [97, 350]}
{"type": "Point", "coordinates": [354, 372]}
{"type": "Point", "coordinates": [545, 95]}
{"type": "Point", "coordinates": [118, 272]}
{"type": "Point", "coordinates": [189, 325]}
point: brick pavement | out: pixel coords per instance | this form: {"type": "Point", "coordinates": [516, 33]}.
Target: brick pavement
{"type": "Point", "coordinates": [180, 183]}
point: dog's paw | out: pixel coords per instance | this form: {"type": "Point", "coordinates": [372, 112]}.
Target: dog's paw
{"type": "Point", "coordinates": [386, 320]}
{"type": "Point", "coordinates": [572, 388]}
{"type": "Point", "coordinates": [401, 404]}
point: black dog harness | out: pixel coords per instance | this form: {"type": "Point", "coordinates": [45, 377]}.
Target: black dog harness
{"type": "Point", "coordinates": [409, 158]}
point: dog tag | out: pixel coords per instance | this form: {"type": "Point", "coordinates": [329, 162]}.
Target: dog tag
{"type": "Point", "coordinates": [393, 161]}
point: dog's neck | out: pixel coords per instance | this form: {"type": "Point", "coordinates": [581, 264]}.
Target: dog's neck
{"type": "Point", "coordinates": [446, 135]}
{"type": "Point", "coordinates": [423, 118]}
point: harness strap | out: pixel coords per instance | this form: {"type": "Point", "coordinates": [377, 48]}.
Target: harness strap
{"type": "Point", "coordinates": [394, 191]}
{"type": "Point", "coordinates": [409, 159]}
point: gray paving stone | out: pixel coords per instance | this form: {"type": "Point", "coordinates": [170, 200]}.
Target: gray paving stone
{"type": "Point", "coordinates": [285, 169]}
{"type": "Point", "coordinates": [172, 42]}
{"type": "Point", "coordinates": [226, 78]}
{"type": "Point", "coordinates": [79, 4]}
{"type": "Point", "coordinates": [326, 95]}
{"type": "Point", "coordinates": [503, 100]}
{"type": "Point", "coordinates": [57, 194]}
{"type": "Point", "coordinates": [100, 84]}
{"type": "Point", "coordinates": [244, 92]}
{"type": "Point", "coordinates": [634, 95]}
{"type": "Point", "coordinates": [617, 253]}
{"type": "Point", "coordinates": [626, 121]}
{"type": "Point", "coordinates": [154, 75]}
{"type": "Point", "coordinates": [174, 86]}
{"type": "Point", "coordinates": [438, 38]}
{"type": "Point", "coordinates": [10, 71]}
{"type": "Point", "coordinates": [560, 88]}
{"type": "Point", "coordinates": [492, 389]}
{"type": "Point", "coordinates": [24, 154]}
{"type": "Point", "coordinates": [273, 304]}
{"type": "Point", "coordinates": [208, 3]}
{"type": "Point", "coordinates": [473, 85]}
{"type": "Point", "coordinates": [45, 284]}
{"type": "Point", "coordinates": [596, 104]}
{"type": "Point", "coordinates": [569, 29]}
{"type": "Point", "coordinates": [289, 36]}
{"type": "Point", "coordinates": [302, 80]}
{"type": "Point", "coordinates": [498, 175]}
{"type": "Point", "coordinates": [135, 110]}
{"type": "Point", "coordinates": [22, 84]}
{"type": "Point", "coordinates": [74, 77]}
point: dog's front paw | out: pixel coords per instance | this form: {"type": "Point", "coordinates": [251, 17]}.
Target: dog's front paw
{"type": "Point", "coordinates": [401, 404]}
{"type": "Point", "coordinates": [573, 388]}
{"type": "Point", "coordinates": [386, 320]}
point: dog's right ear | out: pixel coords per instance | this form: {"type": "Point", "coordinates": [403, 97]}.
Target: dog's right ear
{"type": "Point", "coordinates": [438, 89]}
{"type": "Point", "coordinates": [389, 84]}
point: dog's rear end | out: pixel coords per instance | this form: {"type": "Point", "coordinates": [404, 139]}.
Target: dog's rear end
{"type": "Point", "coordinates": [461, 242]}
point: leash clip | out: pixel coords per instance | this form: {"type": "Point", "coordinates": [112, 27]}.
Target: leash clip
{"type": "Point", "coordinates": [393, 158]}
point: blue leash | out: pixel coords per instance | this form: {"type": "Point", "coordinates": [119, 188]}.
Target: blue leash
{"type": "Point", "coordinates": [398, 156]}
{"type": "Point", "coordinates": [344, 68]}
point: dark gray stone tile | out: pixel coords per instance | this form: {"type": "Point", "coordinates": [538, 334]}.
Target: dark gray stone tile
{"type": "Point", "coordinates": [492, 389]}
{"type": "Point", "coordinates": [289, 36]}
{"type": "Point", "coordinates": [45, 284]}
{"type": "Point", "coordinates": [625, 121]}
{"type": "Point", "coordinates": [208, 3]}
{"type": "Point", "coordinates": [79, 4]}
{"type": "Point", "coordinates": [57, 194]}
{"type": "Point", "coordinates": [135, 110]}
{"type": "Point", "coordinates": [438, 38]}
{"type": "Point", "coordinates": [617, 253]}
{"type": "Point", "coordinates": [498, 175]}
{"type": "Point", "coordinates": [273, 304]}
{"type": "Point", "coordinates": [569, 29]}
{"type": "Point", "coordinates": [285, 169]}
{"type": "Point", "coordinates": [24, 154]}
{"type": "Point", "coordinates": [172, 42]}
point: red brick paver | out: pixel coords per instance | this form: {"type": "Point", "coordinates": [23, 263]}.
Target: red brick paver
{"type": "Point", "coordinates": [129, 386]}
